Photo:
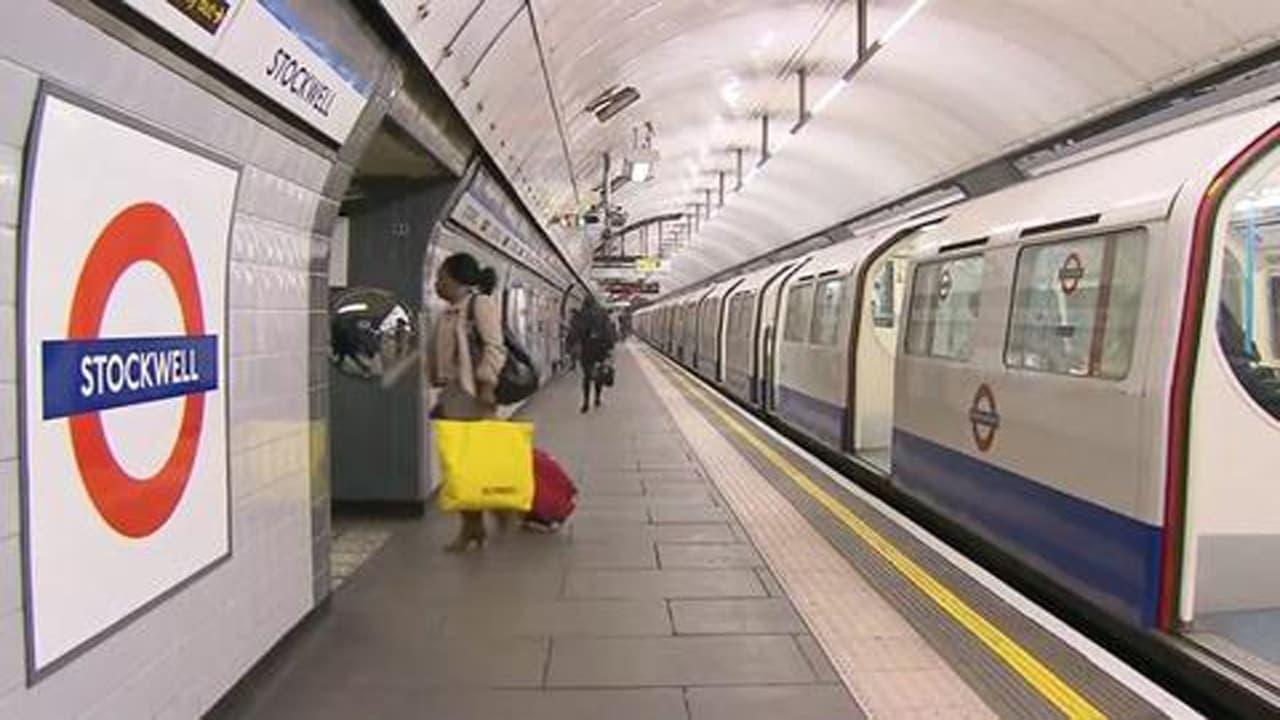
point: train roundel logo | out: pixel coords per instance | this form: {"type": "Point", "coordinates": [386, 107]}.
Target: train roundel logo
{"type": "Point", "coordinates": [1071, 273]}
{"type": "Point", "coordinates": [87, 374]}
{"type": "Point", "coordinates": [984, 417]}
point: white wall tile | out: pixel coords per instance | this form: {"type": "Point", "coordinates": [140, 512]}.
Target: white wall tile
{"type": "Point", "coordinates": [18, 88]}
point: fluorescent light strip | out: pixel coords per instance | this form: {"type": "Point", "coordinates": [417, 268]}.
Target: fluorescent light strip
{"type": "Point", "coordinates": [830, 95]}
{"type": "Point", "coordinates": [905, 18]}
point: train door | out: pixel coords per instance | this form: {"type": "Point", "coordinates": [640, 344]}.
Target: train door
{"type": "Point", "coordinates": [771, 301]}
{"type": "Point", "coordinates": [703, 353]}
{"type": "Point", "coordinates": [739, 332]}
{"type": "Point", "coordinates": [1230, 598]}
{"type": "Point", "coordinates": [878, 324]}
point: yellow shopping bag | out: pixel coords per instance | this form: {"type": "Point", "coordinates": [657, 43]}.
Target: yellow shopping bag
{"type": "Point", "coordinates": [486, 464]}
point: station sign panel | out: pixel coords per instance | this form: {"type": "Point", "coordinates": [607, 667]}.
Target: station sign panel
{"type": "Point", "coordinates": [630, 287]}
{"type": "Point", "coordinates": [124, 253]}
{"type": "Point", "coordinates": [244, 37]}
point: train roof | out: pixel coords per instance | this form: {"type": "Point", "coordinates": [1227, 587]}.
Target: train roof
{"type": "Point", "coordinates": [1139, 182]}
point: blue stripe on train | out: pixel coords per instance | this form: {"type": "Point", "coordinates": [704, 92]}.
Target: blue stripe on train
{"type": "Point", "coordinates": [823, 419]}
{"type": "Point", "coordinates": [1108, 558]}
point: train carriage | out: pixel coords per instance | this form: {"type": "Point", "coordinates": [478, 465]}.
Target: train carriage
{"type": "Point", "coordinates": [1083, 369]}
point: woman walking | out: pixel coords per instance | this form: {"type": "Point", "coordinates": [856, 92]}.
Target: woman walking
{"type": "Point", "coordinates": [467, 356]}
{"type": "Point", "coordinates": [593, 335]}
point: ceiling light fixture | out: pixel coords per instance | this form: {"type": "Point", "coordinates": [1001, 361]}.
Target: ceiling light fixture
{"type": "Point", "coordinates": [640, 170]}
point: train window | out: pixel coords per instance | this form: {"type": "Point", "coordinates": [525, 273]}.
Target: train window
{"type": "Point", "coordinates": [945, 299]}
{"type": "Point", "coordinates": [1249, 307]}
{"type": "Point", "coordinates": [1075, 305]}
{"type": "Point", "coordinates": [825, 328]}
{"type": "Point", "coordinates": [709, 329]}
{"type": "Point", "coordinates": [881, 296]}
{"type": "Point", "coordinates": [799, 308]}
{"type": "Point", "coordinates": [738, 344]}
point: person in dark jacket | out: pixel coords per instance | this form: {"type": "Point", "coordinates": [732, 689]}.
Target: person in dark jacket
{"type": "Point", "coordinates": [593, 335]}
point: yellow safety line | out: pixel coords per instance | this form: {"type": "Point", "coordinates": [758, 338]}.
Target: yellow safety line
{"type": "Point", "coordinates": [1034, 672]}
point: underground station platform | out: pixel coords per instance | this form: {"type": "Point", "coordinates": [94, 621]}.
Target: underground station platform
{"type": "Point", "coordinates": [712, 570]}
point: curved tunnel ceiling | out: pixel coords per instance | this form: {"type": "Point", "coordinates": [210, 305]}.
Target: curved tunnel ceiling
{"type": "Point", "coordinates": [958, 83]}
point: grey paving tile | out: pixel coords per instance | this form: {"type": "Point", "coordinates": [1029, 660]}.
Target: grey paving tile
{"type": "Point", "coordinates": [655, 476]}
{"type": "Point", "coordinates": [693, 492]}
{"type": "Point", "coordinates": [638, 584]}
{"type": "Point", "coordinates": [646, 501]}
{"type": "Point", "coordinates": [442, 704]}
{"type": "Point", "coordinates": [608, 487]}
{"type": "Point", "coordinates": [662, 449]}
{"type": "Point", "coordinates": [802, 702]}
{"type": "Point", "coordinates": [356, 661]}
{"type": "Point", "coordinates": [689, 514]}
{"type": "Point", "coordinates": [646, 704]}
{"type": "Point", "coordinates": [445, 585]}
{"type": "Point", "coordinates": [731, 555]}
{"type": "Point", "coordinates": [673, 463]}
{"type": "Point", "coordinates": [741, 617]}
{"type": "Point", "coordinates": [637, 554]}
{"type": "Point", "coordinates": [621, 662]}
{"type": "Point", "coordinates": [636, 514]}
{"type": "Point", "coordinates": [680, 533]}
{"type": "Point", "coordinates": [817, 658]}
{"type": "Point", "coordinates": [593, 464]}
{"type": "Point", "coordinates": [559, 618]}
{"type": "Point", "coordinates": [330, 703]}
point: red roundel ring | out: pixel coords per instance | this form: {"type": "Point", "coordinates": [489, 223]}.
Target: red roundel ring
{"type": "Point", "coordinates": [984, 417]}
{"type": "Point", "coordinates": [1071, 273]}
{"type": "Point", "coordinates": [136, 507]}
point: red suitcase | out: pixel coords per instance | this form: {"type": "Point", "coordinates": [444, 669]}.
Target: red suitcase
{"type": "Point", "coordinates": [554, 493]}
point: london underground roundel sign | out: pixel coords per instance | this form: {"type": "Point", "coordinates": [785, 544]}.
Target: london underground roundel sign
{"type": "Point", "coordinates": [124, 433]}
{"type": "Point", "coordinates": [88, 373]}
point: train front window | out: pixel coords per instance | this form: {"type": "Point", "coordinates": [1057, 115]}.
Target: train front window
{"type": "Point", "coordinates": [1248, 312]}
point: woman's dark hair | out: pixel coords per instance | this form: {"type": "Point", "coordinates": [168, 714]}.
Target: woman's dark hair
{"type": "Point", "coordinates": [464, 268]}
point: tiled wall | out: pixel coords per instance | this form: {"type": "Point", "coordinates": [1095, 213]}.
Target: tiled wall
{"type": "Point", "coordinates": [178, 659]}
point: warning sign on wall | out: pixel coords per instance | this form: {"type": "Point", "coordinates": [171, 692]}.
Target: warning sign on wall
{"type": "Point", "coordinates": [124, 382]}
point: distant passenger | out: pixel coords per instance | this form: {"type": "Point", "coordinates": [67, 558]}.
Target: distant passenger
{"type": "Point", "coordinates": [466, 358]}
{"type": "Point", "coordinates": [594, 336]}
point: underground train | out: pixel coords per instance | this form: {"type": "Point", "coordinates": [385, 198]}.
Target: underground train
{"type": "Point", "coordinates": [1082, 369]}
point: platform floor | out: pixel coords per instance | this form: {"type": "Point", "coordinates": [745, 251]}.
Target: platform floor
{"type": "Point", "coordinates": [664, 598]}
{"type": "Point", "coordinates": [650, 605]}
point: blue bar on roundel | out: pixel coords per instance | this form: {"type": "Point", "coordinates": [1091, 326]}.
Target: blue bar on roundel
{"type": "Point", "coordinates": [83, 376]}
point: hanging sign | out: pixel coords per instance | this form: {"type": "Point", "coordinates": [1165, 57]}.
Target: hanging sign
{"type": "Point", "coordinates": [245, 38]}
{"type": "Point", "coordinates": [124, 260]}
